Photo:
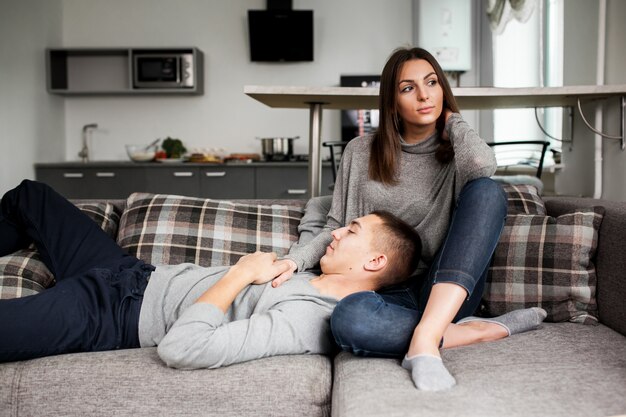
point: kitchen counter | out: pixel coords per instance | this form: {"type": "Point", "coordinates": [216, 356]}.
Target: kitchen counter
{"type": "Point", "coordinates": [153, 164]}
{"type": "Point", "coordinates": [233, 180]}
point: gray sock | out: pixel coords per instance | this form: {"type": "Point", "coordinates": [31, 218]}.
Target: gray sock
{"type": "Point", "coordinates": [429, 373]}
{"type": "Point", "coordinates": [517, 321]}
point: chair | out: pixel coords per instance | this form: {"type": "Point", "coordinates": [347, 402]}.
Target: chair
{"type": "Point", "coordinates": [336, 150]}
{"type": "Point", "coordinates": [527, 153]}
{"type": "Point", "coordinates": [520, 154]}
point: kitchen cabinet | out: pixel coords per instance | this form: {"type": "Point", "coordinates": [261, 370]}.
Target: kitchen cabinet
{"type": "Point", "coordinates": [109, 71]}
{"type": "Point", "coordinates": [227, 182]}
{"type": "Point", "coordinates": [75, 181]}
{"type": "Point", "coordinates": [288, 182]}
{"type": "Point", "coordinates": [179, 180]}
{"type": "Point", "coordinates": [117, 179]}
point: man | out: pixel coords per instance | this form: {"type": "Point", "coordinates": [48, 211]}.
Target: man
{"type": "Point", "coordinates": [198, 317]}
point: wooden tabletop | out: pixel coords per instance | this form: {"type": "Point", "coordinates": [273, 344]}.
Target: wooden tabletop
{"type": "Point", "coordinates": [468, 98]}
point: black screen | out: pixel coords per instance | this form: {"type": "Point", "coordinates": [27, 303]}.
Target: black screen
{"type": "Point", "coordinates": [157, 69]}
{"type": "Point", "coordinates": [281, 35]}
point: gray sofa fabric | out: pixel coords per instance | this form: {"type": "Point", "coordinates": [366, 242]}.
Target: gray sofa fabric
{"type": "Point", "coordinates": [136, 383]}
{"type": "Point", "coordinates": [563, 369]}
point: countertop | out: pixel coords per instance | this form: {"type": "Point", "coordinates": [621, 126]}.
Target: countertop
{"type": "Point", "coordinates": [131, 164]}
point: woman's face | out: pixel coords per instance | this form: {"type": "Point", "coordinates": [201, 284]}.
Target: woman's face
{"type": "Point", "coordinates": [419, 99]}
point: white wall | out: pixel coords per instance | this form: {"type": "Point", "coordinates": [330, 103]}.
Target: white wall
{"type": "Point", "coordinates": [31, 121]}
{"type": "Point", "coordinates": [580, 51]}
{"type": "Point", "coordinates": [614, 172]}
{"type": "Point", "coordinates": [351, 37]}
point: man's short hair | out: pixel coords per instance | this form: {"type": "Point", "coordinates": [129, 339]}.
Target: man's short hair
{"type": "Point", "coordinates": [401, 244]}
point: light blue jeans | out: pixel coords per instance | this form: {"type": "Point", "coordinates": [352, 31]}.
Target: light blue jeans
{"type": "Point", "coordinates": [382, 323]}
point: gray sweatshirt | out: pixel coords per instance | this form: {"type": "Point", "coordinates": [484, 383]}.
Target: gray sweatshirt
{"type": "Point", "coordinates": [262, 321]}
{"type": "Point", "coordinates": [424, 196]}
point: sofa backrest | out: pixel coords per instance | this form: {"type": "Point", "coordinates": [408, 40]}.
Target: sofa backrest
{"type": "Point", "coordinates": [610, 257]}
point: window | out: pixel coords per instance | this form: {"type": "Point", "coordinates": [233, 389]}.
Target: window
{"type": "Point", "coordinates": [530, 54]}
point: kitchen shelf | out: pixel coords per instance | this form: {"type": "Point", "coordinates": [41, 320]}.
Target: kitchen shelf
{"type": "Point", "coordinates": [108, 71]}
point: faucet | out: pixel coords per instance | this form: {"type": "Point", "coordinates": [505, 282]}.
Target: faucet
{"type": "Point", "coordinates": [84, 153]}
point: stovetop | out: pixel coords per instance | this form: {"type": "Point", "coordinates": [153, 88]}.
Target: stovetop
{"type": "Point", "coordinates": [285, 158]}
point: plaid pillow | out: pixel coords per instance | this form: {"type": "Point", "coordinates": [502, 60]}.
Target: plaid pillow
{"type": "Point", "coordinates": [524, 199]}
{"type": "Point", "coordinates": [23, 273]}
{"type": "Point", "coordinates": [104, 214]}
{"type": "Point", "coordinates": [166, 229]}
{"type": "Point", "coordinates": [546, 262]}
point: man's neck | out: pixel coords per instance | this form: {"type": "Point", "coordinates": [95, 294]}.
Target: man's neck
{"type": "Point", "coordinates": [339, 286]}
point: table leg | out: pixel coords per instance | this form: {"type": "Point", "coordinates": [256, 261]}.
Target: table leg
{"type": "Point", "coordinates": [315, 157]}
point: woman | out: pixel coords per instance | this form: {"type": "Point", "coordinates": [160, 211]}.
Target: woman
{"type": "Point", "coordinates": [426, 165]}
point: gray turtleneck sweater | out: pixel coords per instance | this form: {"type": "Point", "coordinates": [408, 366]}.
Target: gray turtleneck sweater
{"type": "Point", "coordinates": [424, 196]}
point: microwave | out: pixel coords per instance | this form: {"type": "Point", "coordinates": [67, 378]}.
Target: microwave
{"type": "Point", "coordinates": [163, 71]}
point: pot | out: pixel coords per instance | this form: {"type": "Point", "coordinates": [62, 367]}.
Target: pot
{"type": "Point", "coordinates": [277, 149]}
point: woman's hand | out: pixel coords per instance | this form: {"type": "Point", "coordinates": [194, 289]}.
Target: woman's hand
{"type": "Point", "coordinates": [446, 114]}
{"type": "Point", "coordinates": [290, 267]}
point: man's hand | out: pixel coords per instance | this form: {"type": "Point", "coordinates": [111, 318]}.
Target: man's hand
{"type": "Point", "coordinates": [289, 268]}
{"type": "Point", "coordinates": [255, 268]}
{"type": "Point", "coordinates": [259, 267]}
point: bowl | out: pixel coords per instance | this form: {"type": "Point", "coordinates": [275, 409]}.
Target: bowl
{"type": "Point", "coordinates": [141, 153]}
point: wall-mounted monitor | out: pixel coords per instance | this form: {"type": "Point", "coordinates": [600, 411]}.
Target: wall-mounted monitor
{"type": "Point", "coordinates": [280, 35]}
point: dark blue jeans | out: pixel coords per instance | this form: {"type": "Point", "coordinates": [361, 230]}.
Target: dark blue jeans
{"type": "Point", "coordinates": [382, 323]}
{"type": "Point", "coordinates": [95, 303]}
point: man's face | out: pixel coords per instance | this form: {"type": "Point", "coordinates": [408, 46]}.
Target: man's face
{"type": "Point", "coordinates": [352, 246]}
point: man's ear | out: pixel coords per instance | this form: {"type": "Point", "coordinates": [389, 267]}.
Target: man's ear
{"type": "Point", "coordinates": [376, 263]}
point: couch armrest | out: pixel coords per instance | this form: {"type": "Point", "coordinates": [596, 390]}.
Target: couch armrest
{"type": "Point", "coordinates": [610, 258]}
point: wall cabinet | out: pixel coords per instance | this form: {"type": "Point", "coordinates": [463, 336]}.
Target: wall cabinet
{"type": "Point", "coordinates": [109, 71]}
{"type": "Point", "coordinates": [117, 180]}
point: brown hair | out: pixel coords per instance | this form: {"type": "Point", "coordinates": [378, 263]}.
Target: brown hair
{"type": "Point", "coordinates": [401, 244]}
{"type": "Point", "coordinates": [386, 148]}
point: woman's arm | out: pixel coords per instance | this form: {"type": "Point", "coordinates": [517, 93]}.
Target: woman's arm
{"type": "Point", "coordinates": [307, 256]}
{"type": "Point", "coordinates": [472, 156]}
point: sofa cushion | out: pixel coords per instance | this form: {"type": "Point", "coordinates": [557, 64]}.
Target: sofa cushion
{"type": "Point", "coordinates": [136, 383]}
{"type": "Point", "coordinates": [23, 273]}
{"type": "Point", "coordinates": [168, 229]}
{"type": "Point", "coordinates": [560, 370]}
{"type": "Point", "coordinates": [547, 262]}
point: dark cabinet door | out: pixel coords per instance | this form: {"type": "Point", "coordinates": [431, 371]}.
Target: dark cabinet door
{"type": "Point", "coordinates": [288, 182]}
{"type": "Point", "coordinates": [107, 183]}
{"type": "Point", "coordinates": [179, 180]}
{"type": "Point", "coordinates": [89, 182]}
{"type": "Point", "coordinates": [69, 182]}
{"type": "Point", "coordinates": [222, 182]}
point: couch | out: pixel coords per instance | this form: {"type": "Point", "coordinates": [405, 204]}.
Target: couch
{"type": "Point", "coordinates": [574, 365]}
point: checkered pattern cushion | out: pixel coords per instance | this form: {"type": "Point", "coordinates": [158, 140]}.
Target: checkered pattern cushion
{"type": "Point", "coordinates": [524, 199]}
{"type": "Point", "coordinates": [23, 273]}
{"type": "Point", "coordinates": [547, 262]}
{"type": "Point", "coordinates": [166, 229]}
